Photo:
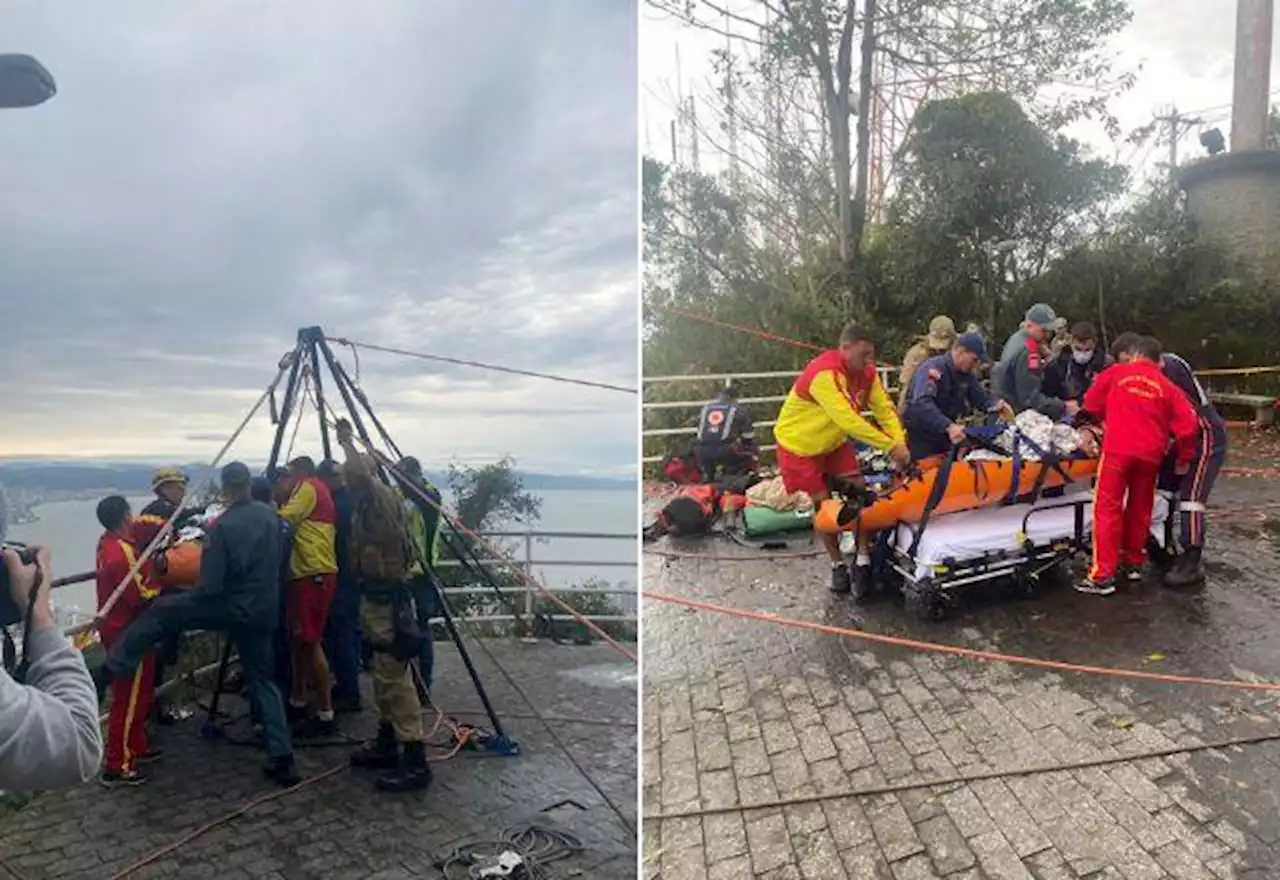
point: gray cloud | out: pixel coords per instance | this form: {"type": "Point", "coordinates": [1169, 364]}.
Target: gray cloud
{"type": "Point", "coordinates": [452, 178]}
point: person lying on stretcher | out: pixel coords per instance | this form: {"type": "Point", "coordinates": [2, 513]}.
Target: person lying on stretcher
{"type": "Point", "coordinates": [816, 427]}
{"type": "Point", "coordinates": [943, 390]}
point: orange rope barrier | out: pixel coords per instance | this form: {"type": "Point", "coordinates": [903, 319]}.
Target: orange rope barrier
{"type": "Point", "coordinates": [955, 650]}
{"type": "Point", "coordinates": [774, 337]}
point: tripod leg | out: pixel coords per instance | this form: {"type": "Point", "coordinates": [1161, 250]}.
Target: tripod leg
{"type": "Point", "coordinates": [504, 744]}
{"type": "Point", "coordinates": [210, 729]}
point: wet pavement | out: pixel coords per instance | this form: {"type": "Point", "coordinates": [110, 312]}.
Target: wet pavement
{"type": "Point", "coordinates": [740, 711]}
{"type": "Point", "coordinates": [340, 827]}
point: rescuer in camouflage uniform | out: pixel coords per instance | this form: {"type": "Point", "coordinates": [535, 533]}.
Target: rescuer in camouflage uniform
{"type": "Point", "coordinates": [381, 557]}
{"type": "Point", "coordinates": [939, 339]}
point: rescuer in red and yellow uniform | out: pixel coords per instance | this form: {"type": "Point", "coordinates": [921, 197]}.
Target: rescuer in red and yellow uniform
{"type": "Point", "coordinates": [170, 487]}
{"type": "Point", "coordinates": [1140, 409]}
{"type": "Point", "coordinates": [819, 419]}
{"type": "Point", "coordinates": [313, 567]}
{"type": "Point", "coordinates": [131, 696]}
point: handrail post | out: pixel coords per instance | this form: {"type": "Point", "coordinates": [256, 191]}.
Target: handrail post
{"type": "Point", "coordinates": [530, 637]}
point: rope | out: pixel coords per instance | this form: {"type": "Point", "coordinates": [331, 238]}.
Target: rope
{"type": "Point", "coordinates": [964, 778]}
{"type": "Point", "coordinates": [537, 846]}
{"type": "Point", "coordinates": [151, 548]}
{"type": "Point", "coordinates": [151, 858]}
{"type": "Point", "coordinates": [761, 334]}
{"type": "Point", "coordinates": [970, 653]}
{"type": "Point", "coordinates": [773, 337]}
{"type": "Point", "coordinates": [302, 406]}
{"type": "Point", "coordinates": [482, 366]}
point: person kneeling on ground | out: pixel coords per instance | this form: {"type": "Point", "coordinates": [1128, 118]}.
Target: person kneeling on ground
{"type": "Point", "coordinates": [946, 387]}
{"type": "Point", "coordinates": [239, 592]}
{"type": "Point", "coordinates": [49, 731]}
{"type": "Point", "coordinates": [1139, 408]}
{"type": "Point", "coordinates": [131, 697]}
{"type": "Point", "coordinates": [380, 561]}
{"type": "Point", "coordinates": [819, 419]}
{"type": "Point", "coordinates": [726, 442]}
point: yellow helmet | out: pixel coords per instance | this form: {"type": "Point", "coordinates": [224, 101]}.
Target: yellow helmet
{"type": "Point", "coordinates": [167, 475]}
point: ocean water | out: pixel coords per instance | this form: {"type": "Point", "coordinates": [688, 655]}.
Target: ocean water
{"type": "Point", "coordinates": [71, 530]}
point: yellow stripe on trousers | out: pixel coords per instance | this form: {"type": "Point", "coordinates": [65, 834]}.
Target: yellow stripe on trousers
{"type": "Point", "coordinates": [126, 759]}
{"type": "Point", "coordinates": [1093, 549]}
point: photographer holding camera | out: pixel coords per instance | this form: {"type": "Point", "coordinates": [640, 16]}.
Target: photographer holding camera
{"type": "Point", "coordinates": [49, 733]}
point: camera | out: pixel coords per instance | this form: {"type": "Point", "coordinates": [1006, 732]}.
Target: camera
{"type": "Point", "coordinates": [10, 613]}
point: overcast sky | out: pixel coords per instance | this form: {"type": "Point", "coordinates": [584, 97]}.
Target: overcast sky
{"type": "Point", "coordinates": [1184, 49]}
{"type": "Point", "coordinates": [453, 177]}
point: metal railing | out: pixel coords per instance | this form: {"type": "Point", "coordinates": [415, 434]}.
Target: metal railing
{"type": "Point", "coordinates": [1265, 416]}
{"type": "Point", "coordinates": [727, 380]}
{"type": "Point", "coordinates": [523, 594]}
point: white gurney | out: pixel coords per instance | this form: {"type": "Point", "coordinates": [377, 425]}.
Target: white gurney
{"type": "Point", "coordinates": [993, 533]}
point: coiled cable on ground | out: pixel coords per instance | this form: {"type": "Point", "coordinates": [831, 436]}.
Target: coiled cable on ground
{"type": "Point", "coordinates": [538, 847]}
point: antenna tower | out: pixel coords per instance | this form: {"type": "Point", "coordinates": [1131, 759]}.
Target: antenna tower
{"type": "Point", "coordinates": [901, 88]}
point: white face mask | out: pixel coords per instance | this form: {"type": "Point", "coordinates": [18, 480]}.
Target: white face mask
{"type": "Point", "coordinates": [1081, 357]}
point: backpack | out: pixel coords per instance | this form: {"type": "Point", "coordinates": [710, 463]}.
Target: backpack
{"type": "Point", "coordinates": [682, 468]}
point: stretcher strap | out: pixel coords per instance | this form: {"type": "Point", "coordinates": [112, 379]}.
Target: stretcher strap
{"type": "Point", "coordinates": [1050, 460]}
{"type": "Point", "coordinates": [936, 494]}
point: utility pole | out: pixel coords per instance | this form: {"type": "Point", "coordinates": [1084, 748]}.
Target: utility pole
{"type": "Point", "coordinates": [1251, 93]}
{"type": "Point", "coordinates": [1176, 125]}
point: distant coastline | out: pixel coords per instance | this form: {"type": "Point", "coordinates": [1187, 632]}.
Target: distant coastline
{"type": "Point", "coordinates": [31, 484]}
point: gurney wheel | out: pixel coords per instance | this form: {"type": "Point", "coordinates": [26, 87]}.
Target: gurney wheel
{"type": "Point", "coordinates": [1025, 586]}
{"type": "Point", "coordinates": [927, 603]}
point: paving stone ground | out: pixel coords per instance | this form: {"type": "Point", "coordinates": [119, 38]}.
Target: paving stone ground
{"type": "Point", "coordinates": [340, 827]}
{"type": "Point", "coordinates": [739, 711]}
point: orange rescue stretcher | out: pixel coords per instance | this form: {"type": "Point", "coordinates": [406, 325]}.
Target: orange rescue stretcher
{"type": "Point", "coordinates": [1014, 519]}
{"type": "Point", "coordinates": [181, 566]}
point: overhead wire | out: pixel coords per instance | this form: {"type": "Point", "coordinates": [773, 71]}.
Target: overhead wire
{"type": "Point", "coordinates": [481, 365]}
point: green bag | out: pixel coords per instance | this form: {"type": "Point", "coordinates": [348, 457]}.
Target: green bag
{"type": "Point", "coordinates": [760, 522]}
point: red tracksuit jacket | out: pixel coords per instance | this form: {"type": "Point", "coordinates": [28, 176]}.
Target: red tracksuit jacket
{"type": "Point", "coordinates": [116, 557]}
{"type": "Point", "coordinates": [1140, 409]}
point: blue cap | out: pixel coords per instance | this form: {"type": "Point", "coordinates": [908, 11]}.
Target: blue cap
{"type": "Point", "coordinates": [973, 342]}
{"type": "Point", "coordinates": [1042, 315]}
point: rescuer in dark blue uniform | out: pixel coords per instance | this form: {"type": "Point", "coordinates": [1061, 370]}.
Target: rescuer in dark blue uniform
{"type": "Point", "coordinates": [943, 390]}
{"type": "Point", "coordinates": [1194, 486]}
{"type": "Point", "coordinates": [726, 438]}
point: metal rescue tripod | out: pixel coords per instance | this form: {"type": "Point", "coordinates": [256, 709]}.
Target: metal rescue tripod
{"type": "Point", "coordinates": [311, 352]}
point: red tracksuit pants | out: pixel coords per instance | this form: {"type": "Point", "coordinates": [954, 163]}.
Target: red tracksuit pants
{"type": "Point", "coordinates": [1123, 498]}
{"type": "Point", "coordinates": [131, 700]}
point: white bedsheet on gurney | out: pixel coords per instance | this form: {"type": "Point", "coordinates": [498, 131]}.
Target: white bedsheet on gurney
{"type": "Point", "coordinates": [971, 534]}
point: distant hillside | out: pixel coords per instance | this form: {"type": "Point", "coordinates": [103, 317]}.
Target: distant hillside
{"type": "Point", "coordinates": [131, 478]}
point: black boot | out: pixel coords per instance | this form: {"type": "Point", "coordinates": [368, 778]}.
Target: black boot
{"type": "Point", "coordinates": [381, 754]}
{"type": "Point", "coordinates": [414, 774]}
{"type": "Point", "coordinates": [862, 581]}
{"type": "Point", "coordinates": [840, 580]}
{"type": "Point", "coordinates": [1187, 571]}
{"type": "Point", "coordinates": [283, 771]}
